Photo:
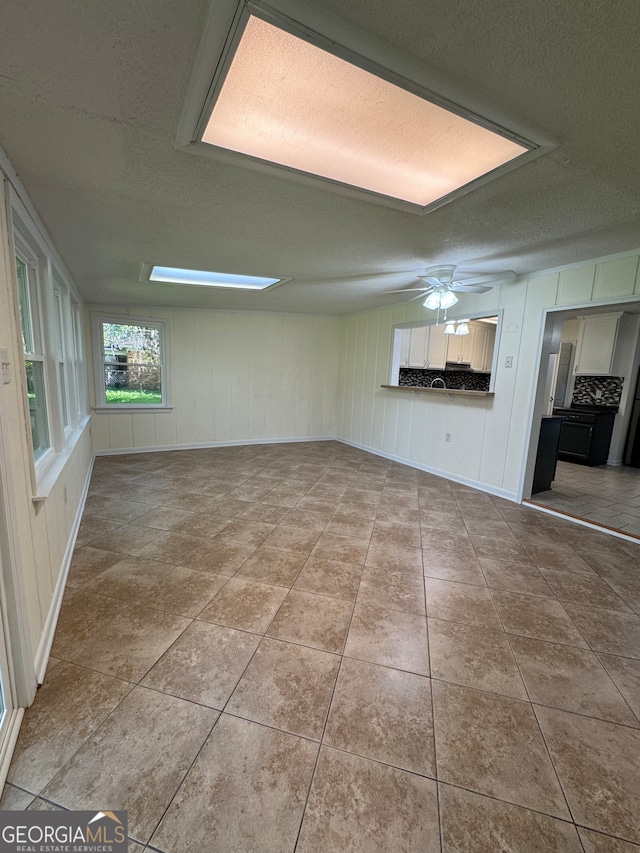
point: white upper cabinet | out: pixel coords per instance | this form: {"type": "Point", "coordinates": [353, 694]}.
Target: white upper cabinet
{"type": "Point", "coordinates": [596, 345]}
{"type": "Point", "coordinates": [419, 346]}
{"type": "Point", "coordinates": [437, 350]}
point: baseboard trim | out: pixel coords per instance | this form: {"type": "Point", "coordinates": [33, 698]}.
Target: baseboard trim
{"type": "Point", "coordinates": [46, 640]}
{"type": "Point", "coordinates": [121, 451]}
{"type": "Point", "coordinates": [446, 475]}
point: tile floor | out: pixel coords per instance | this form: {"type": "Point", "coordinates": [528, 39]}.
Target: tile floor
{"type": "Point", "coordinates": [605, 494]}
{"type": "Point", "coordinates": [306, 647]}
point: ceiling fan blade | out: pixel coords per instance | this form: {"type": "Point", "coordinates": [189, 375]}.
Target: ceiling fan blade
{"type": "Point", "coordinates": [434, 282]}
{"type": "Point", "coordinates": [463, 287]}
{"type": "Point", "coordinates": [407, 290]}
{"type": "Point", "coordinates": [488, 278]}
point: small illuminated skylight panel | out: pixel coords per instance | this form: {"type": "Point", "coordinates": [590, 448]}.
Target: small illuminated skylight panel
{"type": "Point", "coordinates": [203, 278]}
{"type": "Point", "coordinates": [289, 102]}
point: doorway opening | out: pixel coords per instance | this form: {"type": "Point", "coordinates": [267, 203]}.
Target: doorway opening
{"type": "Point", "coordinates": [589, 381]}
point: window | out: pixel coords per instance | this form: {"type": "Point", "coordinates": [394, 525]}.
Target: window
{"type": "Point", "coordinates": [33, 355]}
{"type": "Point", "coordinates": [61, 303]}
{"type": "Point", "coordinates": [131, 369]}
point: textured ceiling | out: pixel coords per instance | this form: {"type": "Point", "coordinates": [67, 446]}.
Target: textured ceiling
{"type": "Point", "coordinates": [91, 96]}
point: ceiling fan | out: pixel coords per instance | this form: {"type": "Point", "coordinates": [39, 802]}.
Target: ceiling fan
{"type": "Point", "coordinates": [442, 285]}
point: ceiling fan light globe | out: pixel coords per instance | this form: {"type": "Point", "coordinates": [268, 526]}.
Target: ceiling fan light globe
{"type": "Point", "coordinates": [432, 301]}
{"type": "Point", "coordinates": [448, 299]}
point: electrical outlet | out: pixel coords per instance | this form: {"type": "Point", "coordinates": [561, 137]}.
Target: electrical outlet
{"type": "Point", "coordinates": [4, 362]}
{"type": "Point", "coordinates": [447, 436]}
{"type": "Point", "coordinates": [508, 362]}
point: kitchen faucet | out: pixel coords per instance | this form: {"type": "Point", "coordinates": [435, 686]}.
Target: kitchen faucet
{"type": "Point", "coordinates": [437, 379]}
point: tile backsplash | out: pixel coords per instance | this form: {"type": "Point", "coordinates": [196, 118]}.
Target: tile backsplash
{"type": "Point", "coordinates": [597, 390]}
{"type": "Point", "coordinates": [458, 380]}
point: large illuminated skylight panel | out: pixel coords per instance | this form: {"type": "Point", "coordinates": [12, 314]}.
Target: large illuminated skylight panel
{"type": "Point", "coordinates": [289, 102]}
{"type": "Point", "coordinates": [204, 278]}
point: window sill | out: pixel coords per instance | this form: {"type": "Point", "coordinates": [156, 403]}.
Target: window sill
{"type": "Point", "coordinates": [48, 474]}
{"type": "Point", "coordinates": [131, 410]}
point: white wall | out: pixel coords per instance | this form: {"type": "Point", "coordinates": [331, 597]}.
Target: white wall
{"type": "Point", "coordinates": [236, 377]}
{"type": "Point", "coordinates": [489, 435]}
{"type": "Point", "coordinates": [42, 531]}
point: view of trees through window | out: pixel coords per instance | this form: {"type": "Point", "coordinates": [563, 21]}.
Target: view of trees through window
{"type": "Point", "coordinates": [132, 364]}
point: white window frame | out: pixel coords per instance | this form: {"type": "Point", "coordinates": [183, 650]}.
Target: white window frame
{"type": "Point", "coordinates": [45, 267]}
{"type": "Point", "coordinates": [24, 253]}
{"type": "Point", "coordinates": [101, 404]}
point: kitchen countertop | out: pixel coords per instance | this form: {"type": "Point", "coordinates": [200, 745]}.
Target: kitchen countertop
{"type": "Point", "coordinates": [451, 391]}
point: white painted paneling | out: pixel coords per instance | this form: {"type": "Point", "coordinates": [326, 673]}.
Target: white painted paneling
{"type": "Point", "coordinates": [575, 285]}
{"type": "Point", "coordinates": [615, 278]}
{"type": "Point", "coordinates": [238, 376]}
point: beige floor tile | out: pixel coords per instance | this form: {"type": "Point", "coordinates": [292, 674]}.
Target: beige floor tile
{"type": "Point", "coordinates": [131, 642]}
{"type": "Point", "coordinates": [562, 558]}
{"type": "Point", "coordinates": [393, 557]}
{"type": "Point", "coordinates": [342, 524]}
{"type": "Point", "coordinates": [330, 577]}
{"type": "Point", "coordinates": [204, 664]}
{"type": "Point", "coordinates": [455, 541]}
{"type": "Point", "coordinates": [128, 579]}
{"type": "Point", "coordinates": [383, 714]}
{"type": "Point", "coordinates": [319, 621]}
{"type": "Point", "coordinates": [583, 589]}
{"type": "Point", "coordinates": [245, 604]}
{"type": "Point", "coordinates": [292, 539]}
{"type": "Point", "coordinates": [625, 673]}
{"type": "Point", "coordinates": [163, 517]}
{"type": "Point", "coordinates": [596, 842]}
{"type": "Point", "coordinates": [114, 509]}
{"type": "Point", "coordinates": [478, 824]}
{"type": "Point", "coordinates": [461, 602]}
{"type": "Point", "coordinates": [273, 566]}
{"type": "Point", "coordinates": [492, 744]}
{"type": "Point", "coordinates": [515, 577]}
{"type": "Point", "coordinates": [205, 523]}
{"type": "Point", "coordinates": [246, 532]}
{"type": "Point", "coordinates": [15, 799]}
{"type": "Point", "coordinates": [597, 763]}
{"type": "Point", "coordinates": [307, 519]}
{"type": "Point", "coordinates": [265, 512]}
{"type": "Point", "coordinates": [570, 679]}
{"type": "Point", "coordinates": [393, 590]}
{"type": "Point", "coordinates": [394, 810]}
{"type": "Point", "coordinates": [183, 591]}
{"type": "Point", "coordinates": [87, 562]}
{"type": "Point", "coordinates": [390, 638]}
{"type": "Point", "coordinates": [69, 706]}
{"type": "Point", "coordinates": [608, 631]}
{"type": "Point", "coordinates": [82, 615]}
{"type": "Point", "coordinates": [396, 533]}
{"type": "Point", "coordinates": [474, 657]}
{"type": "Point", "coordinates": [450, 566]}
{"type": "Point", "coordinates": [499, 548]}
{"type": "Point", "coordinates": [244, 794]}
{"type": "Point", "coordinates": [288, 687]}
{"type": "Point", "coordinates": [537, 617]}
{"type": "Point", "coordinates": [122, 538]}
{"type": "Point", "coordinates": [179, 549]}
{"type": "Point", "coordinates": [342, 548]}
{"type": "Point", "coordinates": [143, 751]}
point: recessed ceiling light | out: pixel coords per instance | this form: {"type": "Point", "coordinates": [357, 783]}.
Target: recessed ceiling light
{"type": "Point", "coordinates": [205, 278]}
{"type": "Point", "coordinates": [282, 100]}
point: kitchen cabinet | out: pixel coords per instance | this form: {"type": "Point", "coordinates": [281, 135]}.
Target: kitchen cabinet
{"type": "Point", "coordinates": [405, 341]}
{"type": "Point", "coordinates": [596, 345]}
{"type": "Point", "coordinates": [437, 348]}
{"type": "Point", "coordinates": [483, 344]}
{"type": "Point", "coordinates": [585, 435]}
{"type": "Point", "coordinates": [418, 346]}
{"type": "Point", "coordinates": [460, 347]}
